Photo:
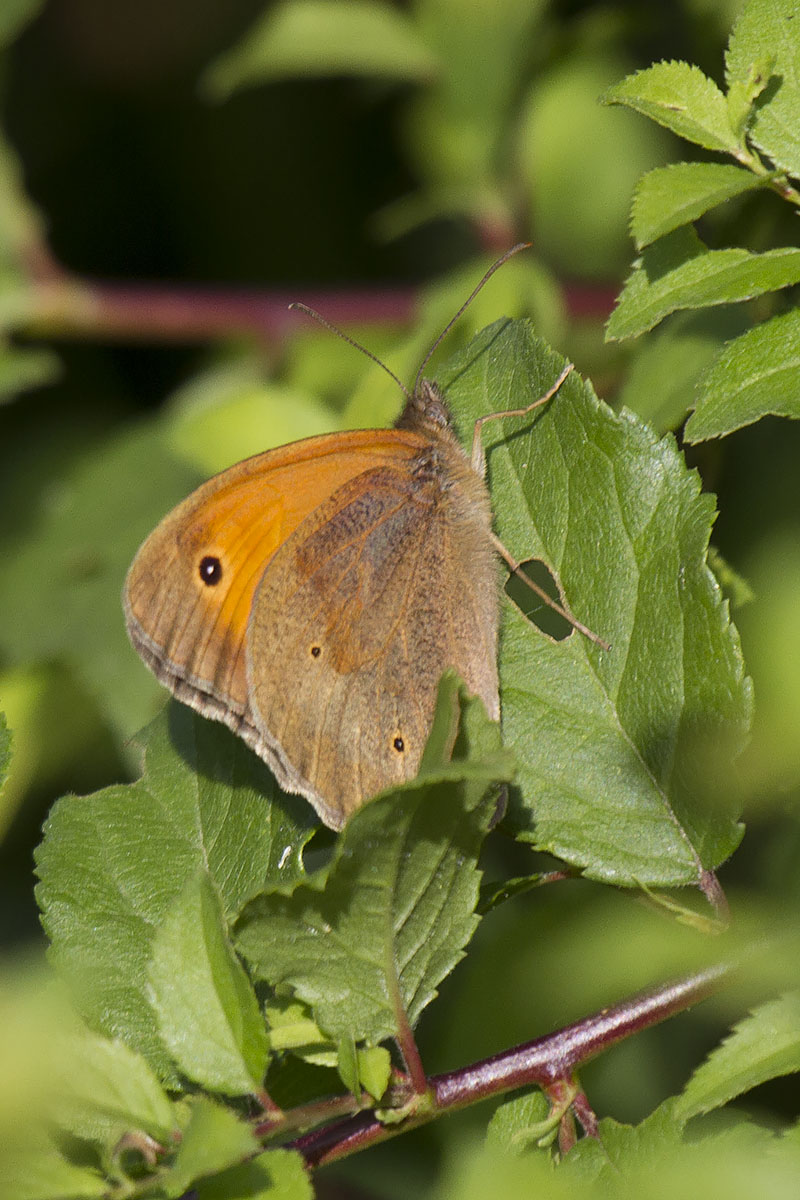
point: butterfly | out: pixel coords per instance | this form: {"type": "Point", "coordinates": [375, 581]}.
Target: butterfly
{"type": "Point", "coordinates": [311, 597]}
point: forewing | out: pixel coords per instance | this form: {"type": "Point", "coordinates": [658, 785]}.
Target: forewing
{"type": "Point", "coordinates": [191, 632]}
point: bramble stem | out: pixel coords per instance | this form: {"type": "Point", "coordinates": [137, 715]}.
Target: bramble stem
{"type": "Point", "coordinates": [546, 1061]}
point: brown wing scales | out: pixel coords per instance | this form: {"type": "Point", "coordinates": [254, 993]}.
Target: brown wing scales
{"type": "Point", "coordinates": [352, 626]}
{"type": "Point", "coordinates": [193, 635]}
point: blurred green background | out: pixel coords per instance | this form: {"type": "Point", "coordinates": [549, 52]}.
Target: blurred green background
{"type": "Point", "coordinates": [172, 174]}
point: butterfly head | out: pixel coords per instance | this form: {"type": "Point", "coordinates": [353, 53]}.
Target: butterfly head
{"type": "Point", "coordinates": [425, 410]}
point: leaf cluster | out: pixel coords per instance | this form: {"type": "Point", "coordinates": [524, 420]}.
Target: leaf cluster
{"type": "Point", "coordinates": [180, 907]}
{"type": "Point", "coordinates": [752, 123]}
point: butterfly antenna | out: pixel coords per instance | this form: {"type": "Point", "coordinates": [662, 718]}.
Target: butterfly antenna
{"type": "Point", "coordinates": [312, 312]}
{"type": "Point", "coordinates": [494, 267]}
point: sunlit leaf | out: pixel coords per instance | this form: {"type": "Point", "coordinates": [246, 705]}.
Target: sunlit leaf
{"type": "Point", "coordinates": [766, 32]}
{"type": "Point", "coordinates": [763, 1046]}
{"type": "Point", "coordinates": [620, 753]}
{"type": "Point", "coordinates": [208, 1014]}
{"type": "Point", "coordinates": [105, 1089]}
{"type": "Point", "coordinates": [678, 271]}
{"type": "Point", "coordinates": [756, 375]}
{"type": "Point", "coordinates": [324, 37]}
{"type": "Point", "coordinates": [214, 1139]}
{"type": "Point", "coordinates": [274, 1175]}
{"type": "Point", "coordinates": [35, 1168]}
{"type": "Point", "coordinates": [112, 864]}
{"type": "Point", "coordinates": [672, 196]}
{"type": "Point", "coordinates": [661, 383]}
{"type": "Point", "coordinates": [679, 96]}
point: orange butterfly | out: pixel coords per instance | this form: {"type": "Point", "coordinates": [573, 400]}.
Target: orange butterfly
{"type": "Point", "coordinates": [310, 598]}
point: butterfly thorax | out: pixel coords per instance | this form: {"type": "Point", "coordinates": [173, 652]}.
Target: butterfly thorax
{"type": "Point", "coordinates": [443, 461]}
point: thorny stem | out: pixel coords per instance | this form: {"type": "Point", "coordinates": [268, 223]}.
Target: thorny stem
{"type": "Point", "coordinates": [549, 1061]}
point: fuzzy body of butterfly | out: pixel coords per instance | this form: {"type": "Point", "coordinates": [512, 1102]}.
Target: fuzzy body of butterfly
{"type": "Point", "coordinates": [311, 597]}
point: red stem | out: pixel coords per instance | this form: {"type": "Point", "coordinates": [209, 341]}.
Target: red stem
{"type": "Point", "coordinates": [544, 1061]}
{"type": "Point", "coordinates": [163, 313]}
{"type": "Point", "coordinates": [410, 1051]}
{"type": "Point", "coordinates": [69, 306]}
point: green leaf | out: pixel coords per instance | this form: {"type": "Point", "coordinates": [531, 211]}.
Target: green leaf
{"type": "Point", "coordinates": [672, 196]}
{"type": "Point", "coordinates": [678, 271]}
{"type": "Point", "coordinates": [347, 1064]}
{"type": "Point", "coordinates": [627, 1151]}
{"type": "Point", "coordinates": [662, 379]}
{"type": "Point", "coordinates": [375, 935]}
{"type": "Point", "coordinates": [5, 749]}
{"type": "Point", "coordinates": [582, 229]}
{"type": "Point", "coordinates": [734, 586]}
{"type": "Point", "coordinates": [214, 1139]}
{"type": "Point", "coordinates": [459, 126]}
{"type": "Point", "coordinates": [111, 864]}
{"type": "Point", "coordinates": [106, 1090]}
{"type": "Point", "coordinates": [756, 375]}
{"type": "Point", "coordinates": [622, 753]}
{"type": "Point", "coordinates": [34, 1168]}
{"type": "Point", "coordinates": [64, 568]}
{"type": "Point", "coordinates": [22, 229]}
{"type": "Point", "coordinates": [221, 415]}
{"type": "Point", "coordinates": [14, 16]}
{"type": "Point", "coordinates": [208, 1014]}
{"type": "Point", "coordinates": [744, 91]}
{"type": "Point", "coordinates": [680, 97]}
{"type": "Point", "coordinates": [321, 38]}
{"type": "Point", "coordinates": [766, 33]}
{"type": "Point", "coordinates": [652, 1160]}
{"type": "Point", "coordinates": [21, 370]}
{"type": "Point", "coordinates": [374, 1070]}
{"type": "Point", "coordinates": [291, 1027]}
{"type": "Point", "coordinates": [763, 1046]}
{"type": "Point", "coordinates": [360, 1068]}
{"type": "Point", "coordinates": [518, 1123]}
{"type": "Point", "coordinates": [474, 1172]}
{"type": "Point", "coordinates": [274, 1175]}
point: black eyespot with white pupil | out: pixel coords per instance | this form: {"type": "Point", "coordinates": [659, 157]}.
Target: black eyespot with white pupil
{"type": "Point", "coordinates": [399, 745]}
{"type": "Point", "coordinates": [210, 570]}
{"type": "Point", "coordinates": [316, 651]}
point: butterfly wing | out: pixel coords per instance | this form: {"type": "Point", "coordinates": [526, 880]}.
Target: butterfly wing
{"type": "Point", "coordinates": [189, 591]}
{"type": "Point", "coordinates": [384, 586]}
